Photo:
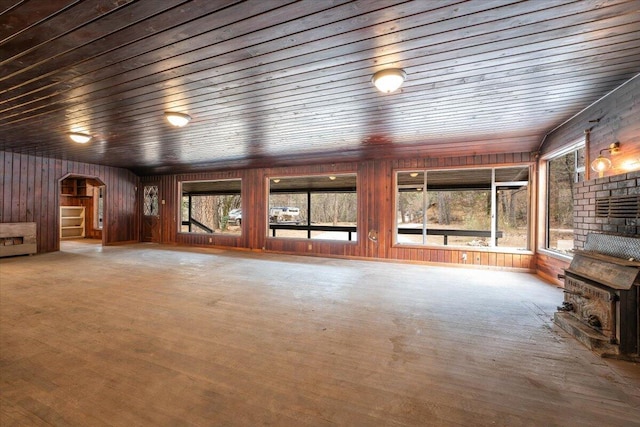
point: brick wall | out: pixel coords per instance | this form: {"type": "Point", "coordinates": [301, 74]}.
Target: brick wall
{"type": "Point", "coordinates": [584, 212]}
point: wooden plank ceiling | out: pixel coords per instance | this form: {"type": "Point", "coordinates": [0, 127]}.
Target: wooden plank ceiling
{"type": "Point", "coordinates": [314, 183]}
{"type": "Point", "coordinates": [283, 82]}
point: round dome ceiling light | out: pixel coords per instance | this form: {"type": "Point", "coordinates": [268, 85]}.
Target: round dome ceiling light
{"type": "Point", "coordinates": [79, 137]}
{"type": "Point", "coordinates": [389, 80]}
{"type": "Point", "coordinates": [177, 119]}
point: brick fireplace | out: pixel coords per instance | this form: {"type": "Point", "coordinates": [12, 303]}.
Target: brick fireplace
{"type": "Point", "coordinates": [606, 205]}
{"type": "Point", "coordinates": [588, 196]}
{"type": "Point", "coordinates": [602, 284]}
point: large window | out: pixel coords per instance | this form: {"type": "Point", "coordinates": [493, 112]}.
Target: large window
{"type": "Point", "coordinates": [313, 207]}
{"type": "Point", "coordinates": [563, 172]}
{"type": "Point", "coordinates": [467, 207]}
{"type": "Point", "coordinates": [211, 207]}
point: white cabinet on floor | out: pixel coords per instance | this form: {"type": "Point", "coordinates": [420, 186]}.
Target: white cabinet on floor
{"type": "Point", "coordinates": [71, 222]}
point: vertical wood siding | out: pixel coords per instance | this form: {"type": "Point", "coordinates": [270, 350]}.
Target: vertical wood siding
{"type": "Point", "coordinates": [549, 267]}
{"type": "Point", "coordinates": [168, 190]}
{"type": "Point", "coordinates": [376, 199]}
{"type": "Point", "coordinates": [618, 114]}
{"type": "Point", "coordinates": [30, 193]}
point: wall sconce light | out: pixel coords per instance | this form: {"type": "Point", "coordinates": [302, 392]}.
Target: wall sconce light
{"type": "Point", "coordinates": [389, 80]}
{"type": "Point", "coordinates": [602, 164]}
{"type": "Point", "coordinates": [79, 137]}
{"type": "Point", "coordinates": [177, 119]}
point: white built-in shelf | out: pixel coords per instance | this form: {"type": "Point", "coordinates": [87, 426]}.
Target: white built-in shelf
{"type": "Point", "coordinates": [71, 222]}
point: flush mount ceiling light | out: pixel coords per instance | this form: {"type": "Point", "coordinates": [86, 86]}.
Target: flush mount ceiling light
{"type": "Point", "coordinates": [276, 180]}
{"type": "Point", "coordinates": [601, 164]}
{"type": "Point", "coordinates": [413, 174]}
{"type": "Point", "coordinates": [79, 137]}
{"type": "Point", "coordinates": [177, 119]}
{"type": "Point", "coordinates": [389, 80]}
{"type": "Point", "coordinates": [332, 178]}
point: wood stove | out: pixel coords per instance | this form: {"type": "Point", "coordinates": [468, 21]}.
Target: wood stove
{"type": "Point", "coordinates": [601, 296]}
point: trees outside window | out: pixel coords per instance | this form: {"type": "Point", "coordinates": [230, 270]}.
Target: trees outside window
{"type": "Point", "coordinates": [211, 207]}
{"type": "Point", "coordinates": [313, 207]}
{"type": "Point", "coordinates": [465, 207]}
{"type": "Point", "coordinates": [563, 172]}
{"type": "Point", "coordinates": [459, 210]}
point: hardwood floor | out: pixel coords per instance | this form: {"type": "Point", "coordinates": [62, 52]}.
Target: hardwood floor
{"type": "Point", "coordinates": [152, 335]}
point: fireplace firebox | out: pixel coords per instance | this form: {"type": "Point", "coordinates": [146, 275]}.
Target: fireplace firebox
{"type": "Point", "coordinates": [601, 296]}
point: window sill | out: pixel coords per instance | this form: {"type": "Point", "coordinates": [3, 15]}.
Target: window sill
{"type": "Point", "coordinates": [556, 255]}
{"type": "Point", "coordinates": [212, 235]}
{"type": "Point", "coordinates": [494, 249]}
{"type": "Point", "coordinates": [304, 239]}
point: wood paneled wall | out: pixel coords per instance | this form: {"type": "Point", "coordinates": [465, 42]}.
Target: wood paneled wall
{"type": "Point", "coordinates": [30, 193]}
{"type": "Point", "coordinates": [549, 267]}
{"type": "Point", "coordinates": [376, 198]}
{"type": "Point", "coordinates": [168, 188]}
{"type": "Point", "coordinates": [613, 118]}
{"type": "Point", "coordinates": [618, 115]}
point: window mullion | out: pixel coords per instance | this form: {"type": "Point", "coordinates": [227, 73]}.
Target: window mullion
{"type": "Point", "coordinates": [494, 218]}
{"type": "Point", "coordinates": [425, 200]}
{"type": "Point", "coordinates": [309, 214]}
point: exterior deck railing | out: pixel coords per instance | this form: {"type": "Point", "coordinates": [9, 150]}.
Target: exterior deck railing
{"type": "Point", "coordinates": [413, 231]}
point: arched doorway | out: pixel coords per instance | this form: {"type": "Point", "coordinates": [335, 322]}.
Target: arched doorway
{"type": "Point", "coordinates": [81, 209]}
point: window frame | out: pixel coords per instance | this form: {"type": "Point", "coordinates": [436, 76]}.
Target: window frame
{"type": "Point", "coordinates": [214, 233]}
{"type": "Point", "coordinates": [309, 192]}
{"type": "Point", "coordinates": [493, 208]}
{"type": "Point", "coordinates": [98, 196]}
{"type": "Point", "coordinates": [543, 194]}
